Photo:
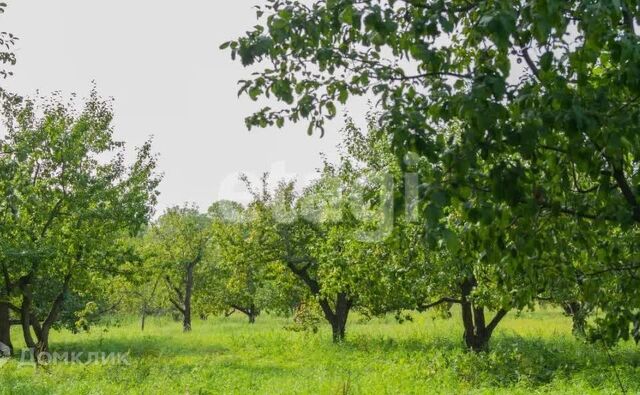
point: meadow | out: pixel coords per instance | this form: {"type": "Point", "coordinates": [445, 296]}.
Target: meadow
{"type": "Point", "coordinates": [531, 353]}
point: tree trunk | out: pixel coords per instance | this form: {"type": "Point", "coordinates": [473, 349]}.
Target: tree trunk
{"type": "Point", "coordinates": [476, 336]}
{"type": "Point", "coordinates": [43, 330]}
{"type": "Point", "coordinates": [35, 324]}
{"type": "Point", "coordinates": [251, 312]}
{"type": "Point", "coordinates": [5, 328]}
{"type": "Point", "coordinates": [5, 315]}
{"type": "Point", "coordinates": [476, 332]}
{"type": "Point", "coordinates": [43, 342]}
{"type": "Point", "coordinates": [25, 319]}
{"type": "Point", "coordinates": [338, 329]}
{"type": "Point", "coordinates": [343, 304]}
{"type": "Point", "coordinates": [337, 318]}
{"type": "Point", "coordinates": [144, 316]}
{"type": "Point", "coordinates": [576, 311]}
{"type": "Point", "coordinates": [186, 323]}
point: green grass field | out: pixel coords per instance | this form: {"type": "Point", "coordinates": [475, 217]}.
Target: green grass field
{"type": "Point", "coordinates": [530, 353]}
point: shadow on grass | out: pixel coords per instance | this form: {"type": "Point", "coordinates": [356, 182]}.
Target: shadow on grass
{"type": "Point", "coordinates": [514, 359]}
{"type": "Point", "coordinates": [148, 346]}
{"type": "Point", "coordinates": [540, 361]}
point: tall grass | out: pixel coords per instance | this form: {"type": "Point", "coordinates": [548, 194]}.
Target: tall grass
{"type": "Point", "coordinates": [530, 353]}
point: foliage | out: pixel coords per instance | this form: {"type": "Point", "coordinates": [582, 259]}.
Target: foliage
{"type": "Point", "coordinates": [7, 41]}
{"type": "Point", "coordinates": [178, 243]}
{"type": "Point", "coordinates": [246, 279]}
{"type": "Point", "coordinates": [337, 235]}
{"type": "Point", "coordinates": [7, 59]}
{"type": "Point", "coordinates": [65, 207]}
{"type": "Point", "coordinates": [543, 96]}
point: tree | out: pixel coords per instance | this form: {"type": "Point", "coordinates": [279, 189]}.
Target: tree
{"type": "Point", "coordinates": [544, 95]}
{"type": "Point", "coordinates": [138, 287]}
{"type": "Point", "coordinates": [244, 277]}
{"type": "Point", "coordinates": [337, 236]}
{"type": "Point", "coordinates": [293, 243]}
{"type": "Point", "coordinates": [180, 241]}
{"type": "Point", "coordinates": [7, 41]}
{"type": "Point", "coordinates": [7, 59]}
{"type": "Point", "coordinates": [64, 207]}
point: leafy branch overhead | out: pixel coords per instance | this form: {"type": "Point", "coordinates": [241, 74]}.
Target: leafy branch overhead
{"type": "Point", "coordinates": [522, 107]}
{"type": "Point", "coordinates": [7, 56]}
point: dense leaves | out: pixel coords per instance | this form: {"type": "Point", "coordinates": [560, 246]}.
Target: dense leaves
{"type": "Point", "coordinates": [521, 112]}
{"type": "Point", "coordinates": [178, 244]}
{"type": "Point", "coordinates": [7, 58]}
{"type": "Point", "coordinates": [65, 208]}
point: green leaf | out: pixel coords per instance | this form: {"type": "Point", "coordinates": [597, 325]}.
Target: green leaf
{"type": "Point", "coordinates": [346, 16]}
{"type": "Point", "coordinates": [331, 108]}
{"type": "Point", "coordinates": [546, 61]}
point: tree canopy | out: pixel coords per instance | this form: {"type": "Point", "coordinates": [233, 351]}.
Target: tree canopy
{"type": "Point", "coordinates": [7, 59]}
{"type": "Point", "coordinates": [521, 111]}
{"type": "Point", "coordinates": [65, 208]}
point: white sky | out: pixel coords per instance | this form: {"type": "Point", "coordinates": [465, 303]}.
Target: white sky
{"type": "Point", "coordinates": [160, 61]}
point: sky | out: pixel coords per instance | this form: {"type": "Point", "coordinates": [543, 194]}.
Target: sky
{"type": "Point", "coordinates": [159, 60]}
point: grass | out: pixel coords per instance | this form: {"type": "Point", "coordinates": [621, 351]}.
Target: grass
{"type": "Point", "coordinates": [530, 353]}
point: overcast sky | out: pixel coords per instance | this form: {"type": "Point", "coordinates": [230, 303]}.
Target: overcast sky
{"type": "Point", "coordinates": [160, 61]}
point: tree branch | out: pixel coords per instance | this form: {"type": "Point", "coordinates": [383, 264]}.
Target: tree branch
{"type": "Point", "coordinates": [52, 216]}
{"type": "Point", "coordinates": [430, 75]}
{"type": "Point", "coordinates": [7, 278]}
{"type": "Point", "coordinates": [57, 304]}
{"type": "Point", "coordinates": [177, 305]}
{"type": "Point", "coordinates": [424, 307]}
{"type": "Point", "coordinates": [496, 320]}
{"type": "Point", "coordinates": [462, 8]}
{"type": "Point", "coordinates": [626, 190]}
{"type": "Point", "coordinates": [531, 63]}
{"type": "Point", "coordinates": [627, 18]}
{"type": "Point", "coordinates": [175, 289]}
{"type": "Point", "coordinates": [241, 309]}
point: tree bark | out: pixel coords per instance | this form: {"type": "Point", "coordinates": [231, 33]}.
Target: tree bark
{"type": "Point", "coordinates": [25, 319]}
{"type": "Point", "coordinates": [476, 332]}
{"type": "Point", "coordinates": [144, 316]}
{"type": "Point", "coordinates": [343, 304]}
{"type": "Point", "coordinates": [42, 333]}
{"type": "Point", "coordinates": [5, 327]}
{"type": "Point", "coordinates": [5, 315]}
{"type": "Point", "coordinates": [182, 302]}
{"type": "Point", "coordinates": [575, 310]}
{"type": "Point", "coordinates": [186, 324]}
{"type": "Point", "coordinates": [337, 317]}
{"type": "Point", "coordinates": [35, 324]}
{"type": "Point", "coordinates": [43, 343]}
{"type": "Point", "coordinates": [251, 312]}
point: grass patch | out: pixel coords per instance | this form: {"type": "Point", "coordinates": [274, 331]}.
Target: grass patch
{"type": "Point", "coordinates": [530, 353]}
